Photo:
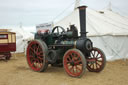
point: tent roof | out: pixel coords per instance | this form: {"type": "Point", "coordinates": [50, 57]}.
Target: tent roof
{"type": "Point", "coordinates": [98, 23]}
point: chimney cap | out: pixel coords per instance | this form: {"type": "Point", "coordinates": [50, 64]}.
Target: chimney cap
{"type": "Point", "coordinates": [82, 7]}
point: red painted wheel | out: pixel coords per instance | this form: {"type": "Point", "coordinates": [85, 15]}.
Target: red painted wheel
{"type": "Point", "coordinates": [96, 61]}
{"type": "Point", "coordinates": [36, 55]}
{"type": "Point", "coordinates": [74, 63]}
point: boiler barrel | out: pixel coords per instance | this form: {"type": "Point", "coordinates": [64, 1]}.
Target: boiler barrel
{"type": "Point", "coordinates": [81, 44]}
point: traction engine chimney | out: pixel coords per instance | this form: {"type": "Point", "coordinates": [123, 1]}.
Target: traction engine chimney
{"type": "Point", "coordinates": [82, 15]}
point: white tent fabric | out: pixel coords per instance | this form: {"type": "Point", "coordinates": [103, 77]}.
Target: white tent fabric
{"type": "Point", "coordinates": [108, 31]}
{"type": "Point", "coordinates": [108, 23]}
{"type": "Point", "coordinates": [22, 37]}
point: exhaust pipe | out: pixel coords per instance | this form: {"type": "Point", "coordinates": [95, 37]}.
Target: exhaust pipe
{"type": "Point", "coordinates": [84, 44]}
{"type": "Point", "coordinates": [82, 15]}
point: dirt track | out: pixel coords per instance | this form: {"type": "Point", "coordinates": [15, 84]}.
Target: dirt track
{"type": "Point", "coordinates": [17, 72]}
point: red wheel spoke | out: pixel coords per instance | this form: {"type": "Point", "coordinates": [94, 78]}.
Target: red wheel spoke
{"type": "Point", "coordinates": [31, 49]}
{"type": "Point", "coordinates": [98, 64]}
{"type": "Point", "coordinates": [33, 58]}
{"type": "Point", "coordinates": [69, 65]}
{"type": "Point", "coordinates": [75, 57]}
{"type": "Point", "coordinates": [40, 58]}
{"type": "Point", "coordinates": [88, 64]}
{"type": "Point", "coordinates": [39, 64]}
{"type": "Point", "coordinates": [99, 57]}
{"type": "Point", "coordinates": [37, 61]}
{"type": "Point", "coordinates": [39, 53]}
{"type": "Point", "coordinates": [41, 61]}
{"type": "Point", "coordinates": [71, 68]}
{"type": "Point", "coordinates": [77, 62]}
{"type": "Point", "coordinates": [99, 60]}
{"type": "Point", "coordinates": [34, 49]}
{"type": "Point", "coordinates": [78, 68]}
{"type": "Point", "coordinates": [75, 69]}
{"type": "Point", "coordinates": [80, 64]}
{"type": "Point", "coordinates": [68, 62]}
{"type": "Point", "coordinates": [93, 66]}
{"type": "Point", "coordinates": [33, 63]}
{"type": "Point", "coordinates": [92, 55]}
{"type": "Point", "coordinates": [69, 59]}
{"type": "Point", "coordinates": [72, 57]}
{"type": "Point", "coordinates": [37, 48]}
{"type": "Point", "coordinates": [97, 54]}
{"type": "Point", "coordinates": [36, 65]}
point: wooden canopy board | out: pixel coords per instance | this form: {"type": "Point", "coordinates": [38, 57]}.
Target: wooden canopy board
{"type": "Point", "coordinates": [7, 41]}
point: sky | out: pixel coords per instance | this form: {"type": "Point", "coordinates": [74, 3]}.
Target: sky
{"type": "Point", "coordinates": [33, 12]}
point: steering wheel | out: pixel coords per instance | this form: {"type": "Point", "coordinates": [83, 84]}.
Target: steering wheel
{"type": "Point", "coordinates": [58, 30]}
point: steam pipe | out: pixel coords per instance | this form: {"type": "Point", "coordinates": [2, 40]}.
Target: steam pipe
{"type": "Point", "coordinates": [82, 15]}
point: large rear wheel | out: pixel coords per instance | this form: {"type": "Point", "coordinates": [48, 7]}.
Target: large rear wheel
{"type": "Point", "coordinates": [96, 61]}
{"type": "Point", "coordinates": [36, 55]}
{"type": "Point", "coordinates": [74, 63]}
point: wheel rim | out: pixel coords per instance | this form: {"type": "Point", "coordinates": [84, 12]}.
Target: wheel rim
{"type": "Point", "coordinates": [35, 56]}
{"type": "Point", "coordinates": [73, 63]}
{"type": "Point", "coordinates": [96, 61]}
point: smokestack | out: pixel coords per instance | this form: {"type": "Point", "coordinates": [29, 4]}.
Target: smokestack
{"type": "Point", "coordinates": [82, 14]}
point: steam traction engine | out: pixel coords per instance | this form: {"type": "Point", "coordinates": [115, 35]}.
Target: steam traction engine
{"type": "Point", "coordinates": [60, 47]}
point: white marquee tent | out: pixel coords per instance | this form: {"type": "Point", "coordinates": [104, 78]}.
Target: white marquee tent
{"type": "Point", "coordinates": [22, 37]}
{"type": "Point", "coordinates": [107, 30]}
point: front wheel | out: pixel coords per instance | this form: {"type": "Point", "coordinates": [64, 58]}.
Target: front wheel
{"type": "Point", "coordinates": [36, 55]}
{"type": "Point", "coordinates": [74, 63]}
{"type": "Point", "coordinates": [96, 61]}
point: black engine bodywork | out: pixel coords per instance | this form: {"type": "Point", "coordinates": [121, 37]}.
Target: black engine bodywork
{"type": "Point", "coordinates": [58, 43]}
